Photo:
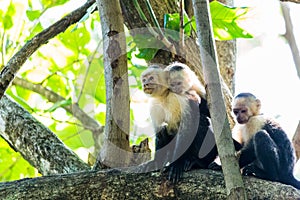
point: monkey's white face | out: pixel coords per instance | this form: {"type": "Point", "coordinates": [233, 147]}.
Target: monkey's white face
{"type": "Point", "coordinates": [243, 109]}
{"type": "Point", "coordinates": [149, 83]}
{"type": "Point", "coordinates": [179, 83]}
{"type": "Point", "coordinates": [241, 114]}
{"type": "Point", "coordinates": [154, 84]}
{"type": "Point", "coordinates": [177, 87]}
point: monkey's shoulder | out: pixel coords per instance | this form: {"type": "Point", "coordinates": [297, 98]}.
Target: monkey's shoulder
{"type": "Point", "coordinates": [271, 126]}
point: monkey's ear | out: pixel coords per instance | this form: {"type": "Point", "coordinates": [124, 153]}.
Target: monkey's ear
{"type": "Point", "coordinates": [258, 104]}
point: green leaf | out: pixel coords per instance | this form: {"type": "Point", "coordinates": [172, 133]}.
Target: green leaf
{"type": "Point", "coordinates": [19, 100]}
{"type": "Point", "coordinates": [147, 41]}
{"type": "Point", "coordinates": [52, 3]}
{"type": "Point", "coordinates": [33, 14]}
{"type": "Point", "coordinates": [37, 29]}
{"type": "Point", "coordinates": [55, 82]}
{"type": "Point", "coordinates": [74, 137]}
{"type": "Point", "coordinates": [148, 46]}
{"type": "Point", "coordinates": [94, 85]}
{"type": "Point", "coordinates": [59, 104]}
{"type": "Point", "coordinates": [12, 165]}
{"type": "Point", "coordinates": [76, 40]}
{"type": "Point", "coordinates": [172, 25]}
{"type": "Point", "coordinates": [7, 18]}
{"type": "Point", "coordinates": [226, 20]}
{"type": "Point", "coordinates": [147, 54]}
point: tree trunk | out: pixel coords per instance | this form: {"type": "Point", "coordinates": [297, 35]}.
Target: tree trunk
{"type": "Point", "coordinates": [197, 184]}
{"type": "Point", "coordinates": [116, 141]}
{"type": "Point", "coordinates": [226, 51]}
{"type": "Point", "coordinates": [36, 143]}
{"type": "Point", "coordinates": [222, 132]}
{"type": "Point", "coordinates": [296, 141]}
{"type": "Point", "coordinates": [290, 36]}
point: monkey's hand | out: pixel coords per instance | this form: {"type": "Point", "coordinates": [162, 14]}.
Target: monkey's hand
{"type": "Point", "coordinates": [248, 170]}
{"type": "Point", "coordinates": [214, 166]}
{"type": "Point", "coordinates": [238, 154]}
{"type": "Point", "coordinates": [175, 171]}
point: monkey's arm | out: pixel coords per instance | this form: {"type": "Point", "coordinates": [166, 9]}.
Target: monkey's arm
{"type": "Point", "coordinates": [287, 153]}
{"type": "Point", "coordinates": [185, 142]}
{"type": "Point", "coordinates": [247, 154]}
{"type": "Point", "coordinates": [204, 108]}
{"type": "Point", "coordinates": [237, 146]}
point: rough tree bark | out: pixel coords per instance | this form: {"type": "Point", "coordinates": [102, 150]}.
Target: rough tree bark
{"type": "Point", "coordinates": [296, 141]}
{"type": "Point", "coordinates": [36, 143]}
{"type": "Point", "coordinates": [198, 184]}
{"type": "Point", "coordinates": [295, 1]}
{"type": "Point", "coordinates": [233, 180]}
{"type": "Point", "coordinates": [116, 141]}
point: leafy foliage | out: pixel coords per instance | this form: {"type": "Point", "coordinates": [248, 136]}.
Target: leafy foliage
{"type": "Point", "coordinates": [226, 20]}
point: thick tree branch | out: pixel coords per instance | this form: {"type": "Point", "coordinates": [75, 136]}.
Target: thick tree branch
{"type": "Point", "coordinates": [296, 141]}
{"type": "Point", "coordinates": [14, 64]}
{"type": "Point", "coordinates": [294, 1]}
{"type": "Point", "coordinates": [197, 184]}
{"type": "Point", "coordinates": [36, 143]}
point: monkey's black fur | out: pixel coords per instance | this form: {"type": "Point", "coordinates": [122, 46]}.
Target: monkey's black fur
{"type": "Point", "coordinates": [269, 155]}
{"type": "Point", "coordinates": [200, 144]}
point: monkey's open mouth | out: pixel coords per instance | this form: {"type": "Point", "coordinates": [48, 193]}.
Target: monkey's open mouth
{"type": "Point", "coordinates": [148, 90]}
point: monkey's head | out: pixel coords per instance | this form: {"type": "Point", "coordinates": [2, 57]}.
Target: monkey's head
{"type": "Point", "coordinates": [154, 80]}
{"type": "Point", "coordinates": [245, 106]}
{"type": "Point", "coordinates": [179, 78]}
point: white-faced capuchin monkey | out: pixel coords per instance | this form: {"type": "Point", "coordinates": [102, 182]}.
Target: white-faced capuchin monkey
{"type": "Point", "coordinates": [166, 108]}
{"type": "Point", "coordinates": [180, 127]}
{"type": "Point", "coordinates": [267, 152]}
{"type": "Point", "coordinates": [182, 80]}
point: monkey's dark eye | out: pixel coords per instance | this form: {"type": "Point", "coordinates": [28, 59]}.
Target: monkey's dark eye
{"type": "Point", "coordinates": [235, 112]}
{"type": "Point", "coordinates": [243, 111]}
{"type": "Point", "coordinates": [179, 83]}
{"type": "Point", "coordinates": [151, 78]}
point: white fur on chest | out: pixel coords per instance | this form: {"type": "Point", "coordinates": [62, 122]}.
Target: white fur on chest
{"type": "Point", "coordinates": [246, 131]}
{"type": "Point", "coordinates": [168, 110]}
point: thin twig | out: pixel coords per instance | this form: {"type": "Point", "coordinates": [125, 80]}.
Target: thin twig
{"type": "Point", "coordinates": [181, 27]}
{"type": "Point", "coordinates": [163, 39]}
{"type": "Point", "coordinates": [90, 59]}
